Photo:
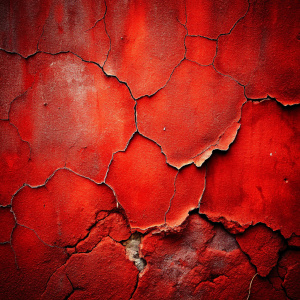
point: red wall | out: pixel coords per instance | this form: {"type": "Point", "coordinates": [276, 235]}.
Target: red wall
{"type": "Point", "coordinates": [149, 149]}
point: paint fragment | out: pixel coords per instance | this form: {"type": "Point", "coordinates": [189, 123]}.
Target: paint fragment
{"type": "Point", "coordinates": [246, 185]}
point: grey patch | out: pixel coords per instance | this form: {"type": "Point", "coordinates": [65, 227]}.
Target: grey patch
{"type": "Point", "coordinates": [223, 241]}
{"type": "Point", "coordinates": [132, 246]}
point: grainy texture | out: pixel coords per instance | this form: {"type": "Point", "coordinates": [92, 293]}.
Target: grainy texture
{"type": "Point", "coordinates": [149, 149]}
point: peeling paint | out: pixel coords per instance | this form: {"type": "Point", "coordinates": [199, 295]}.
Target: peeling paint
{"type": "Point", "coordinates": [149, 149]}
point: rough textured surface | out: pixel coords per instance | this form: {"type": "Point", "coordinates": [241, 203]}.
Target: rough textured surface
{"type": "Point", "coordinates": [201, 261]}
{"type": "Point", "coordinates": [21, 25]}
{"type": "Point", "coordinates": [7, 223]}
{"type": "Point", "coordinates": [149, 149]}
{"type": "Point", "coordinates": [263, 246]}
{"type": "Point", "coordinates": [77, 27]}
{"type": "Point", "coordinates": [15, 155]}
{"type": "Point", "coordinates": [26, 269]}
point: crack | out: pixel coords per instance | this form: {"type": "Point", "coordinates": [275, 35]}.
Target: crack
{"type": "Point", "coordinates": [202, 36]}
{"type": "Point", "coordinates": [118, 152]}
{"type": "Point", "coordinates": [204, 187]}
{"type": "Point", "coordinates": [10, 104]}
{"type": "Point", "coordinates": [135, 116]}
{"type": "Point", "coordinates": [171, 197]}
{"type": "Point", "coordinates": [5, 206]}
{"type": "Point", "coordinates": [44, 185]}
{"type": "Point", "coordinates": [228, 33]}
{"type": "Point", "coordinates": [136, 286]}
{"type": "Point", "coordinates": [16, 53]}
{"type": "Point", "coordinates": [151, 95]}
{"type": "Point", "coordinates": [250, 285]}
{"type": "Point", "coordinates": [10, 242]}
{"type": "Point", "coordinates": [52, 246]}
{"type": "Point", "coordinates": [105, 28]}
{"type": "Point", "coordinates": [184, 25]}
{"type": "Point", "coordinates": [30, 149]}
{"type": "Point", "coordinates": [260, 99]}
{"type": "Point", "coordinates": [161, 150]}
{"type": "Point", "coordinates": [98, 19]}
{"type": "Point", "coordinates": [73, 289]}
{"type": "Point", "coordinates": [124, 82]}
{"type": "Point", "coordinates": [39, 40]}
{"type": "Point", "coordinates": [220, 137]}
{"type": "Point", "coordinates": [198, 63]}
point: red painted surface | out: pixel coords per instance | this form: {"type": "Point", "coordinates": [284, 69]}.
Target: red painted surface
{"type": "Point", "coordinates": [200, 50]}
{"type": "Point", "coordinates": [181, 119]}
{"type": "Point", "coordinates": [137, 160]}
{"type": "Point", "coordinates": [7, 223]}
{"type": "Point", "coordinates": [201, 261]}
{"type": "Point", "coordinates": [67, 207]}
{"type": "Point", "coordinates": [141, 175]}
{"type": "Point", "coordinates": [213, 18]}
{"type": "Point", "coordinates": [262, 170]}
{"type": "Point", "coordinates": [263, 247]}
{"type": "Point", "coordinates": [78, 28]}
{"type": "Point", "coordinates": [189, 186]}
{"type": "Point", "coordinates": [147, 42]}
{"type": "Point", "coordinates": [266, 43]}
{"type": "Point", "coordinates": [106, 271]}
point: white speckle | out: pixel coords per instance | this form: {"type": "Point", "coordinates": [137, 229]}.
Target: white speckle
{"type": "Point", "coordinates": [271, 154]}
{"type": "Point", "coordinates": [164, 128]}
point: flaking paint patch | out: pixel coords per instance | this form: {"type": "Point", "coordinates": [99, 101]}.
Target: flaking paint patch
{"type": "Point", "coordinates": [112, 114]}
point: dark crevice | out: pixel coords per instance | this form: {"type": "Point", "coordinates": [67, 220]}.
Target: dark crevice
{"type": "Point", "coordinates": [135, 287]}
{"type": "Point", "coordinates": [174, 193]}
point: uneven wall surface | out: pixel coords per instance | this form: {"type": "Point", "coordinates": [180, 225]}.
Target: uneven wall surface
{"type": "Point", "coordinates": [149, 149]}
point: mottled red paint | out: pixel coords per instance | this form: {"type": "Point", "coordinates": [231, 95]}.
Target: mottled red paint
{"type": "Point", "coordinates": [213, 18]}
{"type": "Point", "coordinates": [143, 182]}
{"type": "Point", "coordinates": [257, 179]}
{"type": "Point", "coordinates": [182, 121]}
{"type": "Point", "coordinates": [67, 206]}
{"type": "Point", "coordinates": [263, 247]}
{"type": "Point", "coordinates": [15, 155]}
{"type": "Point", "coordinates": [76, 27]}
{"type": "Point", "coordinates": [114, 225]}
{"type": "Point", "coordinates": [111, 117]}
{"type": "Point", "coordinates": [189, 186]}
{"type": "Point", "coordinates": [262, 52]}
{"type": "Point", "coordinates": [199, 262]}
{"type": "Point", "coordinates": [7, 224]}
{"type": "Point", "coordinates": [27, 267]}
{"type": "Point", "coordinates": [72, 116]}
{"type": "Point", "coordinates": [107, 274]}
{"type": "Point", "coordinates": [147, 42]}
{"type": "Point", "coordinates": [21, 25]}
{"type": "Point", "coordinates": [200, 50]}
